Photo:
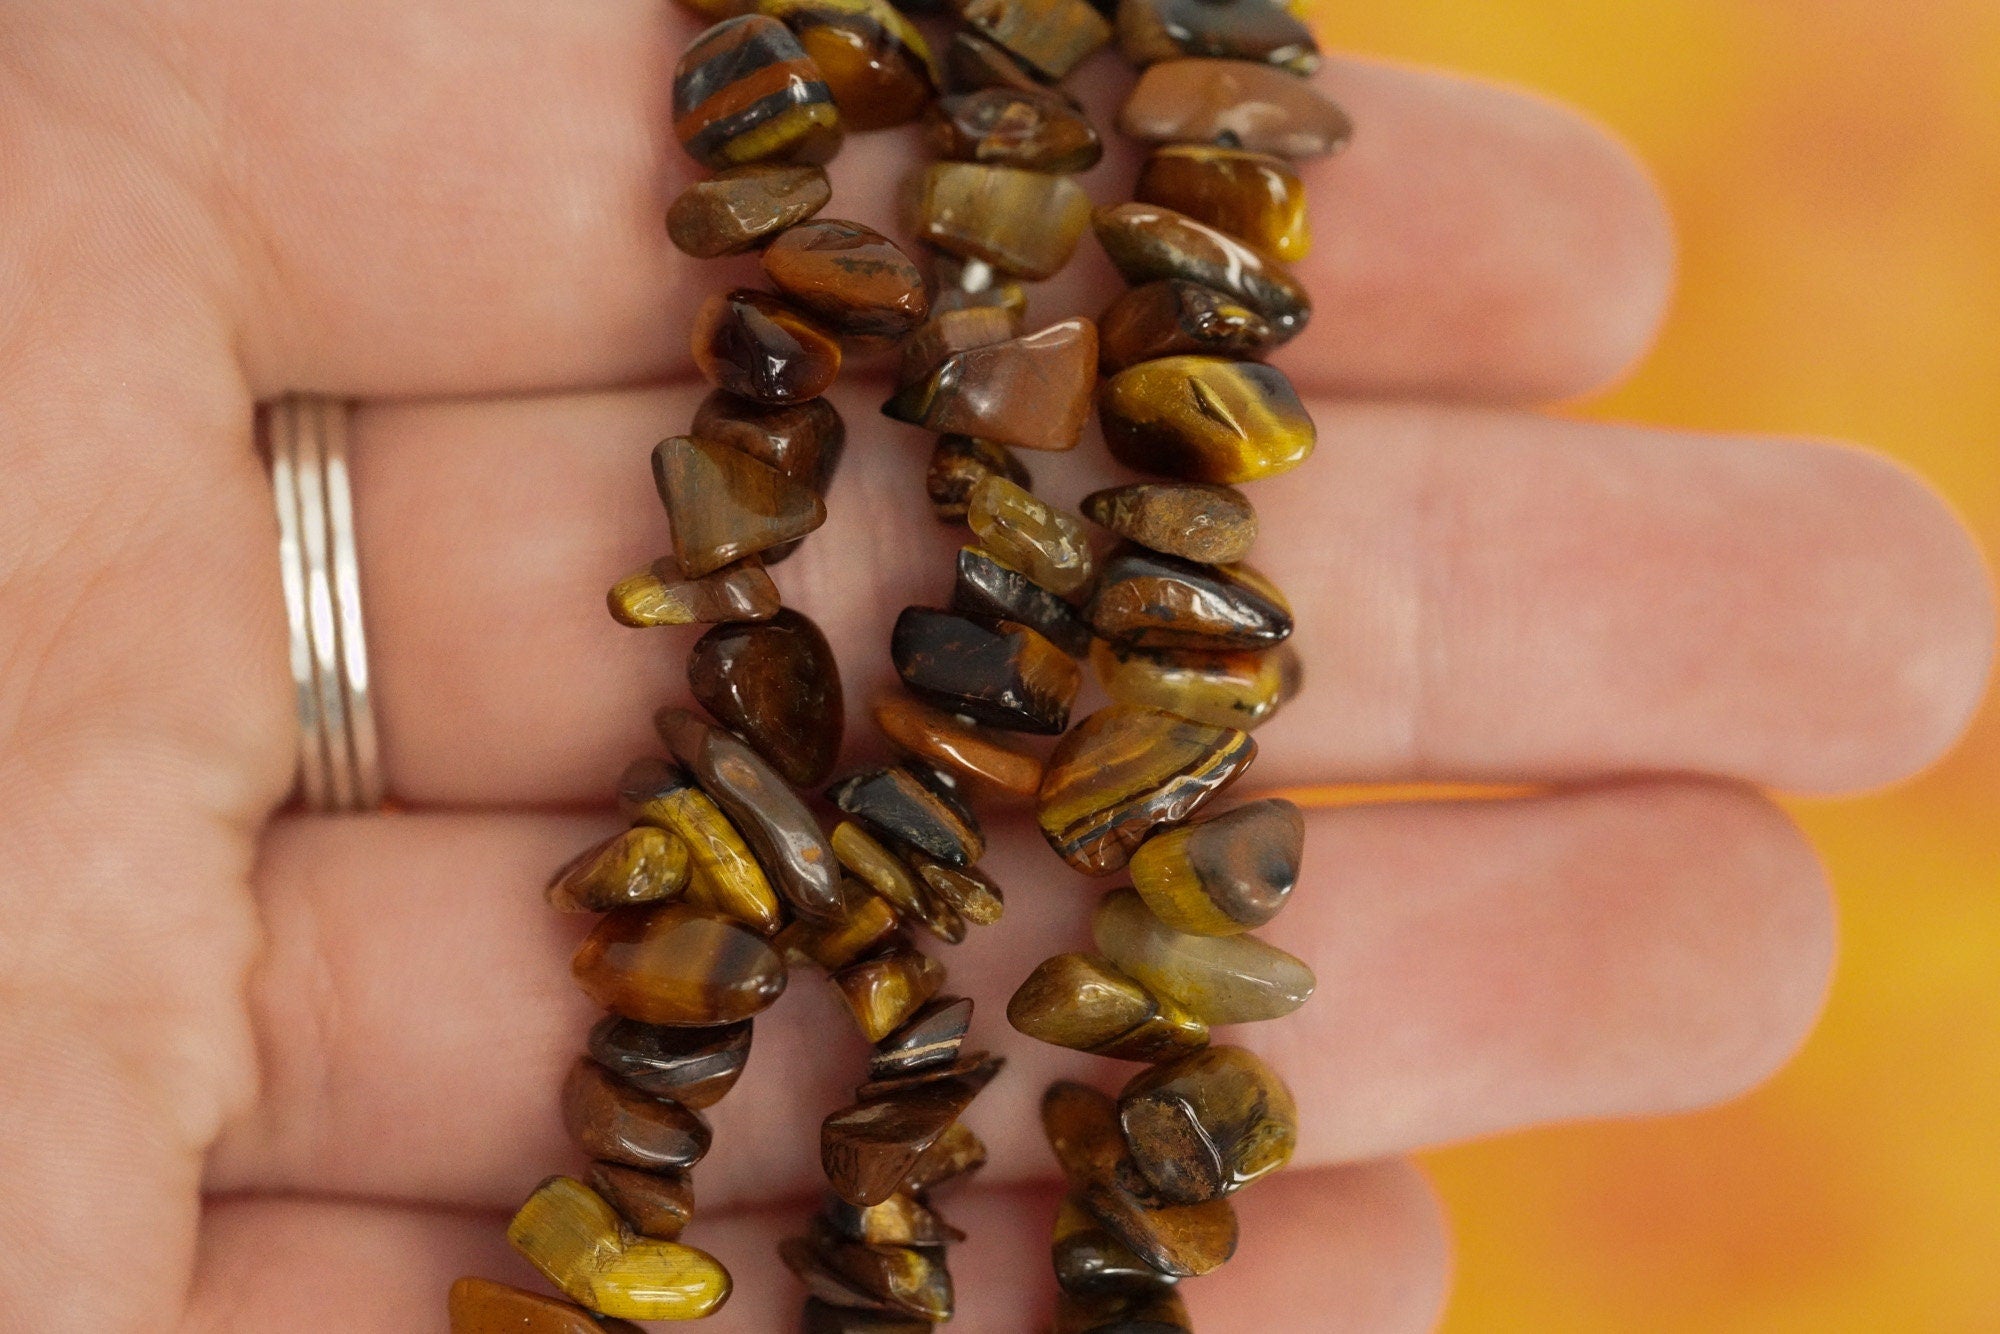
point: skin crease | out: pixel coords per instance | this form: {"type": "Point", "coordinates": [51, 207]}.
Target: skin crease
{"type": "Point", "coordinates": [213, 200]}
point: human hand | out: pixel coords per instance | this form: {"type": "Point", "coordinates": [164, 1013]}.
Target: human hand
{"type": "Point", "coordinates": [288, 1075]}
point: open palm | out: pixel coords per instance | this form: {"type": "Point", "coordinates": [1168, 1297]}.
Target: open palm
{"type": "Point", "coordinates": [289, 1073]}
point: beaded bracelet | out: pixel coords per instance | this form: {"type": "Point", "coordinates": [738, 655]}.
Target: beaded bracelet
{"type": "Point", "coordinates": [725, 880]}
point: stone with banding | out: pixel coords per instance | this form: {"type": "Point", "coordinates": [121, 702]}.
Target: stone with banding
{"type": "Point", "coordinates": [884, 991]}
{"type": "Point", "coordinates": [574, 1236]}
{"type": "Point", "coordinates": [640, 865]}
{"type": "Point", "coordinates": [971, 63]}
{"type": "Point", "coordinates": [950, 332]}
{"type": "Point", "coordinates": [745, 91]}
{"type": "Point", "coordinates": [1086, 1003]}
{"type": "Point", "coordinates": [1150, 31]}
{"type": "Point", "coordinates": [969, 1065]}
{"type": "Point", "coordinates": [678, 965]}
{"type": "Point", "coordinates": [739, 209]}
{"type": "Point", "coordinates": [660, 595]}
{"type": "Point", "coordinates": [776, 685]}
{"type": "Point", "coordinates": [1174, 317]}
{"type": "Point", "coordinates": [962, 748]}
{"type": "Point", "coordinates": [1148, 243]}
{"type": "Point", "coordinates": [1208, 1124]}
{"type": "Point", "coordinates": [897, 804]}
{"type": "Point", "coordinates": [851, 277]}
{"type": "Point", "coordinates": [1031, 392]}
{"type": "Point", "coordinates": [999, 673]}
{"type": "Point", "coordinates": [653, 1204]}
{"type": "Point", "coordinates": [1225, 875]}
{"type": "Point", "coordinates": [877, 1146]}
{"type": "Point", "coordinates": [1148, 600]}
{"type": "Point", "coordinates": [1201, 522]}
{"type": "Point", "coordinates": [1039, 540]}
{"type": "Point", "coordinates": [1257, 198]}
{"type": "Point", "coordinates": [875, 62]}
{"type": "Point", "coordinates": [1245, 103]}
{"type": "Point", "coordinates": [987, 588]}
{"type": "Point", "coordinates": [1206, 419]}
{"type": "Point", "coordinates": [615, 1121]}
{"type": "Point", "coordinates": [1089, 1261]}
{"type": "Point", "coordinates": [929, 1039]}
{"type": "Point", "coordinates": [481, 1306]}
{"type": "Point", "coordinates": [761, 347]}
{"type": "Point", "coordinates": [1036, 129]}
{"type": "Point", "coordinates": [696, 1067]}
{"type": "Point", "coordinates": [724, 875]}
{"type": "Point", "coordinates": [1218, 979]}
{"type": "Point", "coordinates": [724, 505]}
{"type": "Point", "coordinates": [1052, 37]}
{"type": "Point", "coordinates": [1231, 688]}
{"type": "Point", "coordinates": [892, 879]}
{"type": "Point", "coordinates": [1024, 223]}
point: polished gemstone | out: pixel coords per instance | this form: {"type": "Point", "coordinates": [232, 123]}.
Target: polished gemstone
{"type": "Point", "coordinates": [971, 63]}
{"type": "Point", "coordinates": [1243, 102]}
{"type": "Point", "coordinates": [1123, 772]}
{"type": "Point", "coordinates": [870, 1148]}
{"type": "Point", "coordinates": [570, 1233]}
{"type": "Point", "coordinates": [725, 505]}
{"type": "Point", "coordinates": [876, 866]}
{"type": "Point", "coordinates": [1206, 419]}
{"type": "Point", "coordinates": [897, 804]}
{"type": "Point", "coordinates": [781, 832]}
{"type": "Point", "coordinates": [1148, 243]}
{"type": "Point", "coordinates": [1088, 1260]}
{"type": "Point", "coordinates": [896, 1280]}
{"type": "Point", "coordinates": [1052, 37]}
{"type": "Point", "coordinates": [642, 865]}
{"type": "Point", "coordinates": [777, 686]}
{"type": "Point", "coordinates": [825, 1318]}
{"type": "Point", "coordinates": [973, 284]}
{"type": "Point", "coordinates": [967, 891]}
{"type": "Point", "coordinates": [1226, 875]}
{"type": "Point", "coordinates": [804, 441]}
{"type": "Point", "coordinates": [479, 1306]}
{"type": "Point", "coordinates": [900, 1220]}
{"type": "Point", "coordinates": [1085, 1002]}
{"type": "Point", "coordinates": [678, 965]}
{"type": "Point", "coordinates": [1174, 317]}
{"type": "Point", "coordinates": [950, 332]}
{"type": "Point", "coordinates": [762, 347]}
{"type": "Point", "coordinates": [957, 465]}
{"type": "Point", "coordinates": [1147, 600]}
{"type": "Point", "coordinates": [884, 991]}
{"type": "Point", "coordinates": [1037, 539]}
{"type": "Point", "coordinates": [1158, 1310]}
{"type": "Point", "coordinates": [738, 209]}
{"type": "Point", "coordinates": [928, 1039]}
{"type": "Point", "coordinates": [612, 1120]}
{"type": "Point", "coordinates": [653, 1204]}
{"type": "Point", "coordinates": [867, 923]}
{"type": "Point", "coordinates": [853, 278]}
{"type": "Point", "coordinates": [1213, 525]}
{"type": "Point", "coordinates": [962, 748]}
{"type": "Point", "coordinates": [1015, 127]}
{"type": "Point", "coordinates": [1025, 223]}
{"type": "Point", "coordinates": [952, 1156]}
{"type": "Point", "coordinates": [874, 60]}
{"type": "Point", "coordinates": [1238, 688]}
{"type": "Point", "coordinates": [659, 595]}
{"type": "Point", "coordinates": [1032, 392]}
{"type": "Point", "coordinates": [1208, 1124]}
{"type": "Point", "coordinates": [988, 589]}
{"type": "Point", "coordinates": [696, 1067]}
{"type": "Point", "coordinates": [1150, 31]}
{"type": "Point", "coordinates": [1000, 673]}
{"type": "Point", "coordinates": [745, 91]}
{"type": "Point", "coordinates": [724, 875]}
{"type": "Point", "coordinates": [1257, 198]}
{"type": "Point", "coordinates": [1182, 1240]}
{"type": "Point", "coordinates": [1218, 979]}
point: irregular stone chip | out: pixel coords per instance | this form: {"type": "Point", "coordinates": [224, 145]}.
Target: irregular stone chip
{"type": "Point", "coordinates": [1089, 1261]}
{"type": "Point", "coordinates": [1208, 1124]}
{"type": "Point", "coordinates": [1156, 1311]}
{"type": "Point", "coordinates": [1000, 673]}
{"type": "Point", "coordinates": [654, 1204]}
{"type": "Point", "coordinates": [897, 804]}
{"type": "Point", "coordinates": [678, 965]}
{"type": "Point", "coordinates": [723, 873]}
{"type": "Point", "coordinates": [973, 284]}
{"type": "Point", "coordinates": [610, 1119]}
{"type": "Point", "coordinates": [1253, 105]}
{"type": "Point", "coordinates": [878, 66]}
{"type": "Point", "coordinates": [867, 923]}
{"type": "Point", "coordinates": [895, 1280]}
{"type": "Point", "coordinates": [988, 589]}
{"type": "Point", "coordinates": [1150, 31]}
{"type": "Point", "coordinates": [953, 1156]}
{"type": "Point", "coordinates": [725, 505]}
{"type": "Point", "coordinates": [660, 595]}
{"type": "Point", "coordinates": [884, 991]}
{"type": "Point", "coordinates": [1257, 198]}
{"type": "Point", "coordinates": [900, 1220]}
{"type": "Point", "coordinates": [1086, 1003]}
{"type": "Point", "coordinates": [738, 209]}
{"type": "Point", "coordinates": [1147, 243]}
{"type": "Point", "coordinates": [967, 890]}
{"type": "Point", "coordinates": [1032, 392]}
{"type": "Point", "coordinates": [1051, 36]}
{"type": "Point", "coordinates": [852, 277]}
{"type": "Point", "coordinates": [1204, 419]}
{"type": "Point", "coordinates": [776, 685]}
{"type": "Point", "coordinates": [479, 1306]}
{"type": "Point", "coordinates": [759, 346]}
{"type": "Point", "coordinates": [642, 865]}
{"type": "Point", "coordinates": [1175, 317]}
{"type": "Point", "coordinates": [958, 463]}
{"type": "Point", "coordinates": [1226, 875]}
{"type": "Point", "coordinates": [971, 63]}
{"type": "Point", "coordinates": [949, 332]}
{"type": "Point", "coordinates": [891, 878]}
{"type": "Point", "coordinates": [1145, 599]}
{"type": "Point", "coordinates": [1033, 128]}
{"type": "Point", "coordinates": [1040, 541]}
{"type": "Point", "coordinates": [696, 1067]}
{"type": "Point", "coordinates": [1022, 222]}
{"type": "Point", "coordinates": [928, 1039]}
{"type": "Point", "coordinates": [876, 1147]}
{"type": "Point", "coordinates": [963, 748]}
{"type": "Point", "coordinates": [1218, 979]}
{"type": "Point", "coordinates": [1236, 688]}
{"type": "Point", "coordinates": [570, 1233]}
{"type": "Point", "coordinates": [744, 91]}
{"type": "Point", "coordinates": [1211, 525]}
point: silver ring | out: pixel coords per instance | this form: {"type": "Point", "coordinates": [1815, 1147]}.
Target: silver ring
{"type": "Point", "coordinates": [340, 767]}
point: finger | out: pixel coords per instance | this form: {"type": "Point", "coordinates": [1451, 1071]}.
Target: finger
{"type": "Point", "coordinates": [1478, 595]}
{"type": "Point", "coordinates": [1482, 966]}
{"type": "Point", "coordinates": [1356, 1250]}
{"type": "Point", "coordinates": [495, 224]}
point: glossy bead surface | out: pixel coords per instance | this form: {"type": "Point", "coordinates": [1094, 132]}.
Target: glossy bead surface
{"type": "Point", "coordinates": [886, 874]}
{"type": "Point", "coordinates": [1051, 36]}
{"type": "Point", "coordinates": [900, 1220]}
{"type": "Point", "coordinates": [1089, 1260]}
{"type": "Point", "coordinates": [724, 505]}
{"type": "Point", "coordinates": [1174, 317]}
{"type": "Point", "coordinates": [958, 462]}
{"type": "Point", "coordinates": [894, 1280]}
{"type": "Point", "coordinates": [1158, 1310]}
{"type": "Point", "coordinates": [577, 1239]}
{"type": "Point", "coordinates": [940, 739]}
{"type": "Point", "coordinates": [1024, 223]}
{"type": "Point", "coordinates": [950, 332]}
{"type": "Point", "coordinates": [1258, 107]}
{"type": "Point", "coordinates": [744, 91]}
{"type": "Point", "coordinates": [678, 965]}
{"type": "Point", "coordinates": [966, 890]}
{"type": "Point", "coordinates": [777, 686]}
{"type": "Point", "coordinates": [1257, 198]}
{"type": "Point", "coordinates": [804, 441]}
{"type": "Point", "coordinates": [1218, 979]}
{"type": "Point", "coordinates": [897, 804]}
{"type": "Point", "coordinates": [1014, 127]}
{"type": "Point", "coordinates": [1238, 688]}
{"type": "Point", "coordinates": [930, 1038]}
{"type": "Point", "coordinates": [760, 347]}
{"type": "Point", "coordinates": [1124, 772]}
{"type": "Point", "coordinates": [1086, 1003]}
{"type": "Point", "coordinates": [870, 1148]}
{"type": "Point", "coordinates": [867, 923]}
{"type": "Point", "coordinates": [659, 595]}
{"type": "Point", "coordinates": [1150, 31]}
{"type": "Point", "coordinates": [1205, 419]}
{"type": "Point", "coordinates": [642, 865]}
{"type": "Point", "coordinates": [1226, 875]}
{"type": "Point", "coordinates": [1148, 243]}
{"type": "Point", "coordinates": [696, 1067]}
{"type": "Point", "coordinates": [884, 991]}
{"type": "Point", "coordinates": [738, 209]}
{"type": "Point", "coordinates": [653, 1204]}
{"type": "Point", "coordinates": [876, 64]}
{"type": "Point", "coordinates": [973, 284]}
{"type": "Point", "coordinates": [723, 873]}
{"type": "Point", "coordinates": [853, 278]}
{"type": "Point", "coordinates": [1208, 1124]}
{"type": "Point", "coordinates": [825, 1318]}
{"type": "Point", "coordinates": [952, 1156]}
{"type": "Point", "coordinates": [1032, 392]}
{"type": "Point", "coordinates": [612, 1120]}
{"type": "Point", "coordinates": [1148, 600]}
{"type": "Point", "coordinates": [1213, 525]}
{"type": "Point", "coordinates": [999, 673]}
{"type": "Point", "coordinates": [479, 1306]}
{"type": "Point", "coordinates": [987, 588]}
{"type": "Point", "coordinates": [1037, 539]}
{"type": "Point", "coordinates": [971, 63]}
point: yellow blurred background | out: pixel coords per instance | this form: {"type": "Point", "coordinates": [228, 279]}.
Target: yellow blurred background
{"type": "Point", "coordinates": [1834, 167]}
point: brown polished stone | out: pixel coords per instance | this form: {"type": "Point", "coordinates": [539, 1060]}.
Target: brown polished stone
{"type": "Point", "coordinates": [871, 1147]}
{"type": "Point", "coordinates": [1088, 1260]}
{"type": "Point", "coordinates": [779, 829]}
{"type": "Point", "coordinates": [972, 63]}
{"type": "Point", "coordinates": [1148, 600]}
{"type": "Point", "coordinates": [978, 1064]}
{"type": "Point", "coordinates": [745, 91]}
{"type": "Point", "coordinates": [1086, 1003]}
{"type": "Point", "coordinates": [868, 922]}
{"type": "Point", "coordinates": [1014, 127]}
{"type": "Point", "coordinates": [804, 441]}
{"type": "Point", "coordinates": [1124, 772]}
{"type": "Point", "coordinates": [612, 1120]}
{"type": "Point", "coordinates": [725, 505]}
{"type": "Point", "coordinates": [950, 332]}
{"type": "Point", "coordinates": [777, 686]}
{"type": "Point", "coordinates": [884, 991]}
{"type": "Point", "coordinates": [1218, 979]}
{"type": "Point", "coordinates": [480, 1306]}
{"type": "Point", "coordinates": [963, 748]}
{"type": "Point", "coordinates": [1000, 673]}
{"type": "Point", "coordinates": [1158, 1310]}
{"type": "Point", "coordinates": [1257, 198]}
{"type": "Point", "coordinates": [1238, 688]}
{"type": "Point", "coordinates": [738, 209]}
{"type": "Point", "coordinates": [1052, 37]}
{"type": "Point", "coordinates": [853, 278]}
{"type": "Point", "coordinates": [1208, 1124]}
{"type": "Point", "coordinates": [887, 875]}
{"type": "Point", "coordinates": [824, 1318]}
{"type": "Point", "coordinates": [1256, 106]}
{"type": "Point", "coordinates": [678, 965]}
{"type": "Point", "coordinates": [967, 891]}
{"type": "Point", "coordinates": [958, 463]}
{"type": "Point", "coordinates": [1206, 419]}
{"type": "Point", "coordinates": [1033, 392]}
{"type": "Point", "coordinates": [1213, 525]}
{"type": "Point", "coordinates": [1226, 875]}
{"type": "Point", "coordinates": [642, 865]}
{"type": "Point", "coordinates": [900, 1220]}
{"type": "Point", "coordinates": [874, 60]}
{"type": "Point", "coordinates": [897, 804]}
{"type": "Point", "coordinates": [988, 589]}
{"type": "Point", "coordinates": [723, 874]}
{"type": "Point", "coordinates": [928, 1039]}
{"type": "Point", "coordinates": [1150, 31]}
{"type": "Point", "coordinates": [1024, 223]}
{"type": "Point", "coordinates": [696, 1067]}
{"type": "Point", "coordinates": [1039, 540]}
{"type": "Point", "coordinates": [574, 1236]}
{"type": "Point", "coordinates": [973, 284]}
{"type": "Point", "coordinates": [895, 1280]}
{"type": "Point", "coordinates": [1148, 243]}
{"type": "Point", "coordinates": [659, 595]}
{"type": "Point", "coordinates": [952, 1156]}
{"type": "Point", "coordinates": [654, 1204]}
{"type": "Point", "coordinates": [759, 346]}
{"type": "Point", "coordinates": [1174, 317]}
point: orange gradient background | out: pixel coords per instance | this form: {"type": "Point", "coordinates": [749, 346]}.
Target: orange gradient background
{"type": "Point", "coordinates": [1834, 168]}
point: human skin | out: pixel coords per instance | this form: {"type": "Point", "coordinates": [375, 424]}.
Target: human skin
{"type": "Point", "coordinates": [277, 1072]}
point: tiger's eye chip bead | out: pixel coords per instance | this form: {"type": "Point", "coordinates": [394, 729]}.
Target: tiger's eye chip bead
{"type": "Point", "coordinates": [1087, 1003]}
{"type": "Point", "coordinates": [696, 1067]}
{"type": "Point", "coordinates": [659, 595]}
{"type": "Point", "coordinates": [972, 63]}
{"type": "Point", "coordinates": [724, 875]}
{"type": "Point", "coordinates": [1023, 222]}
{"type": "Point", "coordinates": [804, 440]}
{"type": "Point", "coordinates": [1204, 419]}
{"type": "Point", "coordinates": [1032, 392]}
{"type": "Point", "coordinates": [997, 672]}
{"type": "Point", "coordinates": [745, 91]}
{"type": "Point", "coordinates": [986, 587]}
{"type": "Point", "coordinates": [758, 346]}
{"type": "Point", "coordinates": [1217, 979]}
{"type": "Point", "coordinates": [618, 1122]}
{"type": "Point", "coordinates": [1157, 1310]}
{"type": "Point", "coordinates": [678, 965]}
{"type": "Point", "coordinates": [1173, 317]}
{"type": "Point", "coordinates": [884, 991]}
{"type": "Point", "coordinates": [574, 1236]}
{"type": "Point", "coordinates": [1052, 37]}
{"type": "Point", "coordinates": [958, 463]}
{"type": "Point", "coordinates": [876, 64]}
{"type": "Point", "coordinates": [1208, 1124]}
{"type": "Point", "coordinates": [1256, 197]}
{"type": "Point", "coordinates": [1245, 103]}
{"type": "Point", "coordinates": [1090, 1262]}
{"type": "Point", "coordinates": [1213, 525]}
{"type": "Point", "coordinates": [1015, 127]}
{"type": "Point", "coordinates": [1147, 242]}
{"type": "Point", "coordinates": [851, 277]}
{"type": "Point", "coordinates": [641, 865]}
{"type": "Point", "coordinates": [1145, 599]}
{"type": "Point", "coordinates": [1225, 875]}
{"type": "Point", "coordinates": [654, 1204]}
{"type": "Point", "coordinates": [867, 925]}
{"type": "Point", "coordinates": [1037, 539]}
{"type": "Point", "coordinates": [1150, 31]}
{"type": "Point", "coordinates": [723, 505]}
{"type": "Point", "coordinates": [739, 209]}
{"type": "Point", "coordinates": [899, 805]}
{"type": "Point", "coordinates": [776, 685]}
{"type": "Point", "coordinates": [1242, 688]}
{"type": "Point", "coordinates": [938, 738]}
